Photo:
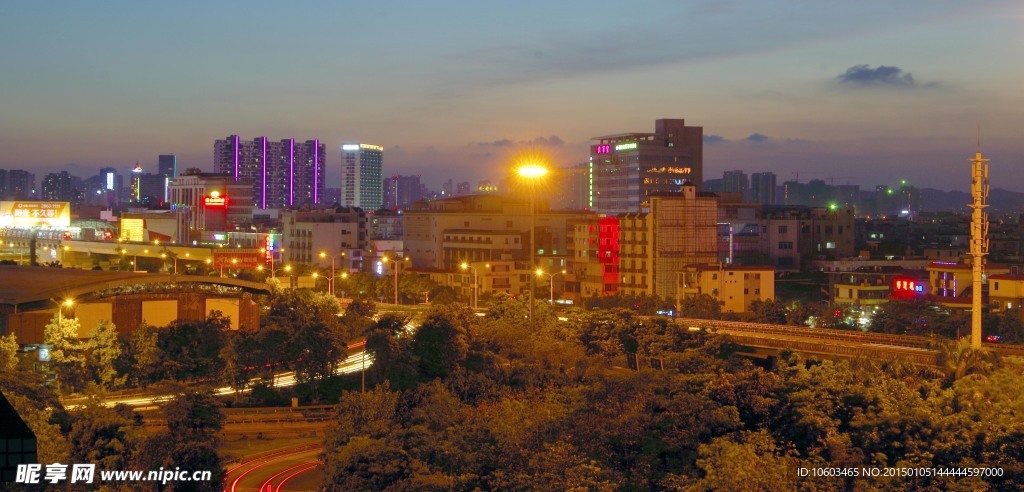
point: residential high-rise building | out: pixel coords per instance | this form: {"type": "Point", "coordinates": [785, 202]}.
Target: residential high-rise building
{"type": "Point", "coordinates": [627, 168]}
{"type": "Point", "coordinates": [362, 176]}
{"type": "Point", "coordinates": [402, 191]}
{"type": "Point", "coordinates": [762, 188]}
{"type": "Point", "coordinates": [57, 187]}
{"type": "Point", "coordinates": [736, 182]}
{"type": "Point", "coordinates": [283, 174]}
{"type": "Point", "coordinates": [656, 246]}
{"type": "Point", "coordinates": [20, 184]}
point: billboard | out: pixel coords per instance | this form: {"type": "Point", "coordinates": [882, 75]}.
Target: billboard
{"type": "Point", "coordinates": [236, 259]}
{"type": "Point", "coordinates": [30, 214]}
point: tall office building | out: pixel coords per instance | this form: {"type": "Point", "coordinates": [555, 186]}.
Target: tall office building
{"type": "Point", "coordinates": [362, 176]}
{"type": "Point", "coordinates": [762, 188]}
{"type": "Point", "coordinates": [283, 174]}
{"type": "Point", "coordinates": [167, 166]}
{"type": "Point", "coordinates": [627, 168]}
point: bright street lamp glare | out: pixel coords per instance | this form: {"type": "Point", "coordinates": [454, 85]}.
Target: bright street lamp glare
{"type": "Point", "coordinates": [532, 171]}
{"type": "Point", "coordinates": [464, 265]}
{"type": "Point", "coordinates": [69, 302]}
{"type": "Point", "coordinates": [540, 272]}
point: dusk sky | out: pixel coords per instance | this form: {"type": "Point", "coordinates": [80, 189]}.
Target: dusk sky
{"type": "Point", "coordinates": [861, 92]}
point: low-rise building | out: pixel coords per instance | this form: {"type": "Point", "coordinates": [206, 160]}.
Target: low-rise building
{"type": "Point", "coordinates": [735, 286]}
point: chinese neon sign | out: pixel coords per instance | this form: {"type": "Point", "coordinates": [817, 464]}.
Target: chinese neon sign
{"type": "Point", "coordinates": [603, 149]}
{"type": "Point", "coordinates": [625, 146]}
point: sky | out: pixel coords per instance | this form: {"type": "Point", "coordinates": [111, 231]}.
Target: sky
{"type": "Point", "coordinates": [866, 92]}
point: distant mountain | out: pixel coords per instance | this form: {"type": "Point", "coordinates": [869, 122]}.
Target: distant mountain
{"type": "Point", "coordinates": [1000, 201]}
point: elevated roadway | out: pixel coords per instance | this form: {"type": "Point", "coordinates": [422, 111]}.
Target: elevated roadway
{"type": "Point", "coordinates": [768, 339]}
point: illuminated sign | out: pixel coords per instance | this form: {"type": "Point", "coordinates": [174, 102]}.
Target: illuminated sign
{"type": "Point", "coordinates": [625, 146]}
{"type": "Point", "coordinates": [268, 245]}
{"type": "Point", "coordinates": [133, 229]}
{"type": "Point", "coordinates": [237, 259]}
{"type": "Point", "coordinates": [219, 237]}
{"type": "Point", "coordinates": [603, 149]}
{"type": "Point", "coordinates": [215, 201]}
{"type": "Point", "coordinates": [371, 147]}
{"type": "Point", "coordinates": [52, 214]}
{"type": "Point", "coordinates": [671, 170]}
{"type": "Point", "coordinates": [350, 147]}
{"type": "Point", "coordinates": [906, 288]}
{"type": "Point", "coordinates": [110, 181]}
{"type": "Point", "coordinates": [44, 353]}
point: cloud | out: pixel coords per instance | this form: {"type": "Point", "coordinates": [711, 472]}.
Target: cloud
{"type": "Point", "coordinates": [552, 141]}
{"type": "Point", "coordinates": [756, 137]}
{"type": "Point", "coordinates": [880, 75]}
{"type": "Point", "coordinates": [713, 138]}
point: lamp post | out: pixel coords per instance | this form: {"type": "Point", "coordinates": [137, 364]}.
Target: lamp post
{"type": "Point", "coordinates": [330, 280]}
{"type": "Point", "coordinates": [476, 292]}
{"type": "Point", "coordinates": [395, 268]}
{"type": "Point", "coordinates": [60, 307]}
{"type": "Point", "coordinates": [551, 276]}
{"type": "Point", "coordinates": [531, 173]}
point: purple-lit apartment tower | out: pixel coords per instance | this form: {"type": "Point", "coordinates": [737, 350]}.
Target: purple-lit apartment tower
{"type": "Point", "coordinates": [284, 174]}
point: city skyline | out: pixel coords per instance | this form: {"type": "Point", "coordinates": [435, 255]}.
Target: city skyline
{"type": "Point", "coordinates": [864, 93]}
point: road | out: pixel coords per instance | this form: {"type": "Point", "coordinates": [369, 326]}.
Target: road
{"type": "Point", "coordinates": [355, 362]}
{"type": "Point", "coordinates": [287, 469]}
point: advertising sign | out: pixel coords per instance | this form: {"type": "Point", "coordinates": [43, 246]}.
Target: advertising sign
{"type": "Point", "coordinates": [30, 214]}
{"type": "Point", "coordinates": [237, 259]}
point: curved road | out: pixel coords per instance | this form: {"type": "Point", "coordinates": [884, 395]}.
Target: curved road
{"type": "Point", "coordinates": [287, 469]}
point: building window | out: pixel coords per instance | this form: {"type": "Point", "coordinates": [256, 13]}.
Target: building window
{"type": "Point", "coordinates": [996, 285]}
{"type": "Point", "coordinates": [783, 229]}
{"type": "Point", "coordinates": [746, 291]}
{"type": "Point", "coordinates": [757, 292]}
{"type": "Point", "coordinates": [785, 244]}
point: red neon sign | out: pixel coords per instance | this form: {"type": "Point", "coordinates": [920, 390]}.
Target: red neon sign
{"type": "Point", "coordinates": [603, 149]}
{"type": "Point", "coordinates": [215, 201]}
{"type": "Point", "coordinates": [906, 288]}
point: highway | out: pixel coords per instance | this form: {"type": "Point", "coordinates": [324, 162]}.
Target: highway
{"type": "Point", "coordinates": [354, 363]}
{"type": "Point", "coordinates": [287, 469]}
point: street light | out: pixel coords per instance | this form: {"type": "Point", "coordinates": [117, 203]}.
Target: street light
{"type": "Point", "coordinates": [540, 273]}
{"type": "Point", "coordinates": [330, 280]}
{"type": "Point", "coordinates": [60, 307]}
{"type": "Point", "coordinates": [476, 284]}
{"type": "Point", "coordinates": [395, 268]}
{"type": "Point", "coordinates": [531, 173]}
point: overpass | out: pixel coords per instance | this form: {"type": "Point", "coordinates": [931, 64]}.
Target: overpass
{"type": "Point", "coordinates": [21, 286]}
{"type": "Point", "coordinates": [768, 340]}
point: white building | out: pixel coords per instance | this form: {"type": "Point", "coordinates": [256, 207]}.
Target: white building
{"type": "Point", "coordinates": [362, 176]}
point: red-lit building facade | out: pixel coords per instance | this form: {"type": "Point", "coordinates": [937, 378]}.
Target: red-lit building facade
{"type": "Point", "coordinates": [593, 266]}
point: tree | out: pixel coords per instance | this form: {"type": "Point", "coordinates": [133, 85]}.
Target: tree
{"type": "Point", "coordinates": [769, 311]}
{"type": "Point", "coordinates": [960, 359]}
{"type": "Point", "coordinates": [8, 352]}
{"type": "Point", "coordinates": [392, 355]}
{"type": "Point", "coordinates": [702, 306]}
{"type": "Point", "coordinates": [442, 340]}
{"type": "Point", "coordinates": [750, 461]}
{"type": "Point", "coordinates": [195, 417]}
{"type": "Point", "coordinates": [104, 350]}
{"type": "Point", "coordinates": [67, 353]}
{"type": "Point", "coordinates": [190, 350]}
{"type": "Point", "coordinates": [104, 436]}
{"type": "Point", "coordinates": [141, 358]}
